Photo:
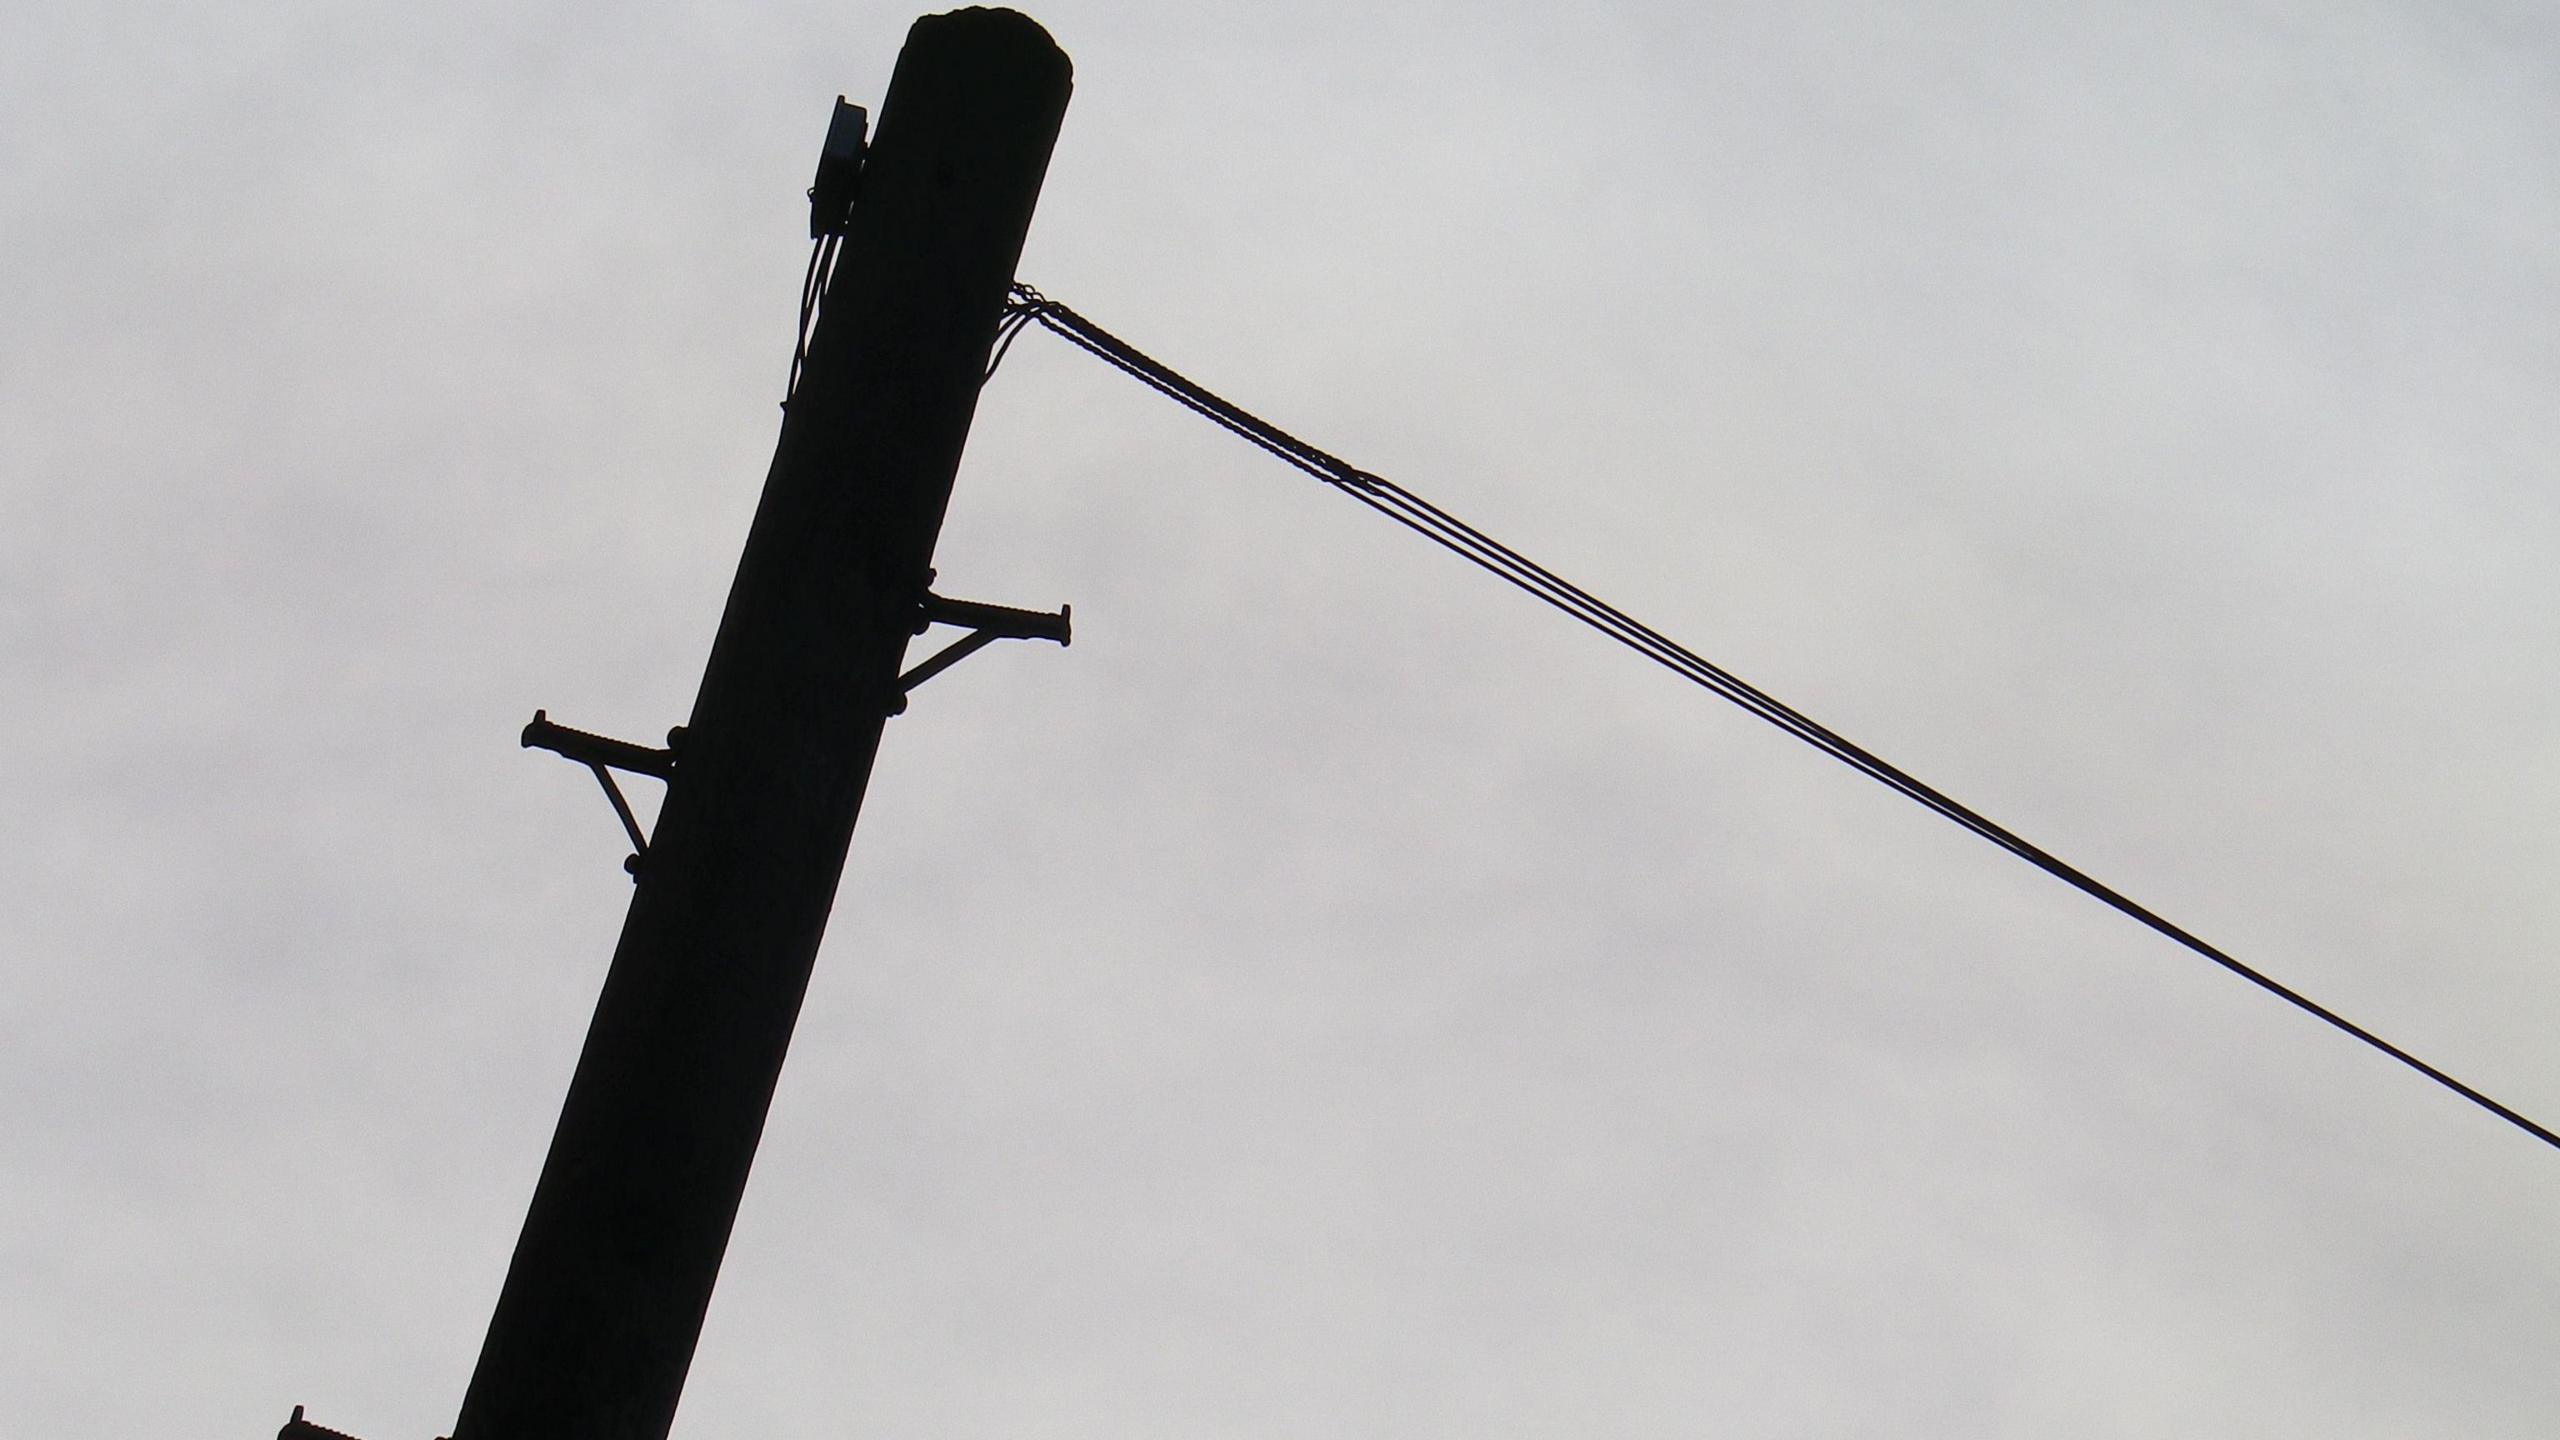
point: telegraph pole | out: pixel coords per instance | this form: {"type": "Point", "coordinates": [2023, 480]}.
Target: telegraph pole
{"type": "Point", "coordinates": [604, 1299]}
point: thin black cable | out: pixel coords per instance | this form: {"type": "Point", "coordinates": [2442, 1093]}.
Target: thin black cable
{"type": "Point", "coordinates": [1410, 510]}
{"type": "Point", "coordinates": [1008, 329]}
{"type": "Point", "coordinates": [1473, 545]}
{"type": "Point", "coordinates": [813, 288]}
{"type": "Point", "coordinates": [800, 332]}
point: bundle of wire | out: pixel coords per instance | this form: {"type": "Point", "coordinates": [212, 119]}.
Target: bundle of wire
{"type": "Point", "coordinates": [1027, 307]}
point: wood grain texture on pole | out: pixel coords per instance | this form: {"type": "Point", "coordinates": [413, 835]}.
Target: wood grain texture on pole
{"type": "Point", "coordinates": [604, 1299]}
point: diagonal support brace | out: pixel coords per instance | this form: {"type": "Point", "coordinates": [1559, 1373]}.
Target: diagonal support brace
{"type": "Point", "coordinates": [986, 624]}
{"type": "Point", "coordinates": [604, 755]}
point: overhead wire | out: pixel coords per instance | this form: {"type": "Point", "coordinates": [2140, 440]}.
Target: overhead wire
{"type": "Point", "coordinates": [1028, 306]}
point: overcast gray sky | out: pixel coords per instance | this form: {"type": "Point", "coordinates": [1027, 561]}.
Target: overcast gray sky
{"type": "Point", "coordinates": [1335, 998]}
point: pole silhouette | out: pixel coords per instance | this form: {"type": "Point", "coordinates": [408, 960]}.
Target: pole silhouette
{"type": "Point", "coordinates": [603, 1302]}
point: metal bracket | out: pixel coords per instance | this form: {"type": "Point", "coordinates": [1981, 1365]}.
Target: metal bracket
{"type": "Point", "coordinates": [839, 179]}
{"type": "Point", "coordinates": [986, 624]}
{"type": "Point", "coordinates": [604, 755]}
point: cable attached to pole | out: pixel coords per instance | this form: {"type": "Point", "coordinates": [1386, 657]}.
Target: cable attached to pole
{"type": "Point", "coordinates": [1029, 306]}
{"type": "Point", "coordinates": [813, 290]}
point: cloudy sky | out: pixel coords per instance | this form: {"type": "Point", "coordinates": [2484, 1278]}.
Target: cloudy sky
{"type": "Point", "coordinates": [1335, 997]}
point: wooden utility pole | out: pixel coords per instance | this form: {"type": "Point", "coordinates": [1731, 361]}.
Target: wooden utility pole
{"type": "Point", "coordinates": [604, 1299]}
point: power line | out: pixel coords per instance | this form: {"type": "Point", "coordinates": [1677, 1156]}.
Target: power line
{"type": "Point", "coordinates": [1413, 512]}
